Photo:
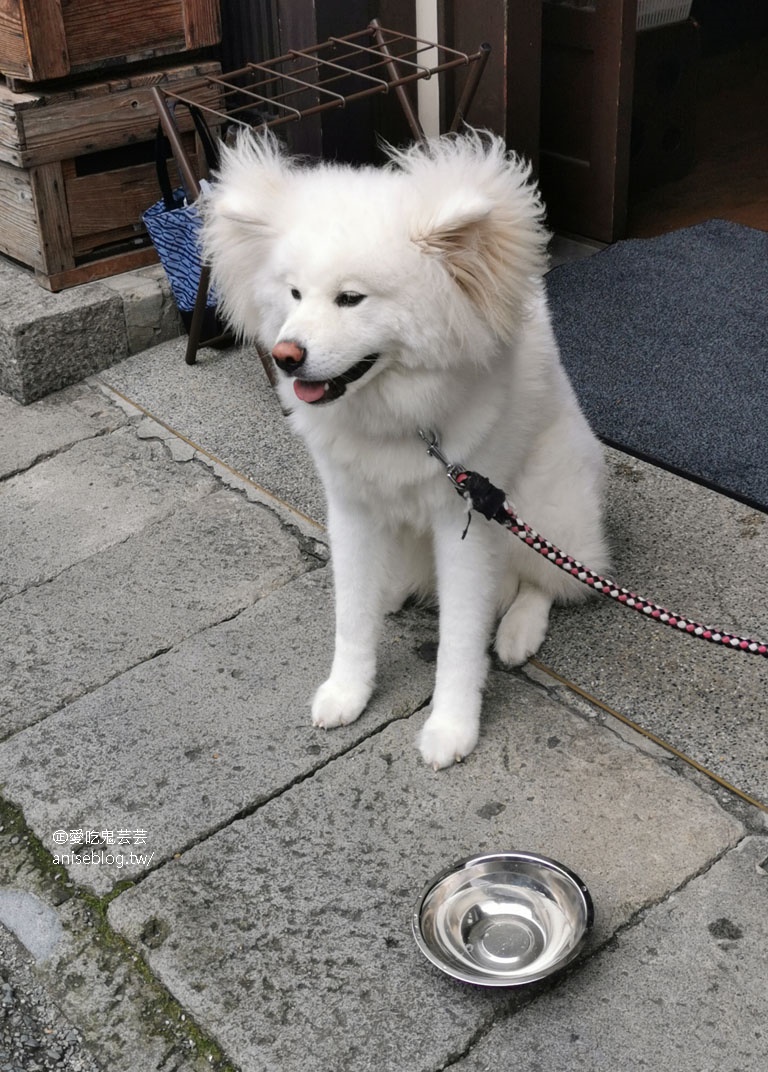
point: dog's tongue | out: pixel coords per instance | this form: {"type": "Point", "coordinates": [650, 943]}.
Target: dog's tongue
{"type": "Point", "coordinates": [309, 391]}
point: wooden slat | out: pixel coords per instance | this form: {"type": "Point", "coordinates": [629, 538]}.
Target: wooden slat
{"type": "Point", "coordinates": [46, 39]}
{"type": "Point", "coordinates": [52, 220]}
{"type": "Point", "coordinates": [108, 205]}
{"type": "Point", "coordinates": [14, 54]}
{"type": "Point", "coordinates": [95, 123]}
{"type": "Point", "coordinates": [19, 234]}
{"type": "Point", "coordinates": [105, 116]}
{"type": "Point", "coordinates": [95, 247]}
{"type": "Point", "coordinates": [98, 31]}
{"type": "Point", "coordinates": [523, 79]}
{"type": "Point", "coordinates": [298, 29]}
{"type": "Point", "coordinates": [12, 137]}
{"type": "Point", "coordinates": [105, 268]}
{"type": "Point", "coordinates": [202, 23]}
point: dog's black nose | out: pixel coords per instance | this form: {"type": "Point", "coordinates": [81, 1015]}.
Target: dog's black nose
{"type": "Point", "coordinates": [288, 355]}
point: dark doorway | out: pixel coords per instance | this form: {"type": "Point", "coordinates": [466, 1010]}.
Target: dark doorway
{"type": "Point", "coordinates": [720, 107]}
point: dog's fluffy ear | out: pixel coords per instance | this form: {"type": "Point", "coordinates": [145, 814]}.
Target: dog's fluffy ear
{"type": "Point", "coordinates": [239, 214]}
{"type": "Point", "coordinates": [481, 216]}
{"type": "Point", "coordinates": [455, 215]}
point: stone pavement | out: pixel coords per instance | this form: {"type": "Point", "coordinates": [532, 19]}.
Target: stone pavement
{"type": "Point", "coordinates": [165, 612]}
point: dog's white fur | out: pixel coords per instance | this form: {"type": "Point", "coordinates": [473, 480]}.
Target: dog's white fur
{"type": "Point", "coordinates": [446, 243]}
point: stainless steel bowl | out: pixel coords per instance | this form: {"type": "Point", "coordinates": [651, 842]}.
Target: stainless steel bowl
{"type": "Point", "coordinates": [505, 919]}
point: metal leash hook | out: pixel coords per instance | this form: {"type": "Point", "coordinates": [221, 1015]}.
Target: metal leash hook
{"type": "Point", "coordinates": [452, 471]}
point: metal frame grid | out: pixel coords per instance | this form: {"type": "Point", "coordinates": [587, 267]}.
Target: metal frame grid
{"type": "Point", "coordinates": [305, 82]}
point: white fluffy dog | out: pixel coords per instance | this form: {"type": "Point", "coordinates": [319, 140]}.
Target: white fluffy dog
{"type": "Point", "coordinates": [403, 298]}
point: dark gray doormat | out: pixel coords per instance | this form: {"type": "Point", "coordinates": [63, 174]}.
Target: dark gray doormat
{"type": "Point", "coordinates": [666, 342]}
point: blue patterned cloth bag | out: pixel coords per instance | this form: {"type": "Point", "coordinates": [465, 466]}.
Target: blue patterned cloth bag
{"type": "Point", "coordinates": [174, 224]}
{"type": "Point", "coordinates": [175, 235]}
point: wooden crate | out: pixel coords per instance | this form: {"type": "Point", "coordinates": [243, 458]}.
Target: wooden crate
{"type": "Point", "coordinates": [77, 169]}
{"type": "Point", "coordinates": [42, 40]}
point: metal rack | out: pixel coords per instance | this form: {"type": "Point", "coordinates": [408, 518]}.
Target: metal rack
{"type": "Point", "coordinates": [307, 82]}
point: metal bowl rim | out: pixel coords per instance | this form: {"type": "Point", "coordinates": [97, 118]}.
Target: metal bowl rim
{"type": "Point", "coordinates": [464, 865]}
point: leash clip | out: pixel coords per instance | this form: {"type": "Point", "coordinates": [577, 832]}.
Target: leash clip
{"type": "Point", "coordinates": [452, 471]}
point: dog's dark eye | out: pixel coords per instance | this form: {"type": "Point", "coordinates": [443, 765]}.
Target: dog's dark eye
{"type": "Point", "coordinates": [295, 293]}
{"type": "Point", "coordinates": [349, 297]}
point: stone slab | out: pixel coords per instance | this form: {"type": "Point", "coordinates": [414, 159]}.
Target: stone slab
{"type": "Point", "coordinates": [702, 555]}
{"type": "Point", "coordinates": [49, 341]}
{"type": "Point", "coordinates": [313, 533]}
{"type": "Point", "coordinates": [300, 912]}
{"type": "Point", "coordinates": [30, 433]}
{"type": "Point", "coordinates": [150, 312]}
{"type": "Point", "coordinates": [181, 745]}
{"type": "Point", "coordinates": [34, 923]}
{"type": "Point", "coordinates": [684, 989]}
{"type": "Point", "coordinates": [204, 563]}
{"type": "Point", "coordinates": [86, 499]}
{"type": "Point", "coordinates": [225, 404]}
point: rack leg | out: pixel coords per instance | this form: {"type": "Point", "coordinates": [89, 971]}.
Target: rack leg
{"type": "Point", "coordinates": [171, 132]}
{"type": "Point", "coordinates": [470, 88]}
{"type": "Point", "coordinates": [394, 74]}
{"type": "Point", "coordinates": [196, 325]}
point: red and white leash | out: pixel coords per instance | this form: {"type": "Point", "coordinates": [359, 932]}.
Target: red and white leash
{"type": "Point", "coordinates": [492, 503]}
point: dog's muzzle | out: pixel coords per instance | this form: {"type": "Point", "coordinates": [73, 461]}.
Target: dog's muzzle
{"type": "Point", "coordinates": [289, 357]}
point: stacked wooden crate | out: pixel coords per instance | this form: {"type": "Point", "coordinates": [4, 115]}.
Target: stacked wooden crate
{"type": "Point", "coordinates": [77, 126]}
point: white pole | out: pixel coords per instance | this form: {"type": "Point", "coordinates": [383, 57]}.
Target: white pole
{"type": "Point", "coordinates": [428, 99]}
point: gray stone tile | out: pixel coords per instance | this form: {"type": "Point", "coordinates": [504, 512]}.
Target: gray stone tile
{"type": "Point", "coordinates": [30, 433]}
{"type": "Point", "coordinates": [182, 744]}
{"type": "Point", "coordinates": [225, 404]}
{"type": "Point", "coordinates": [86, 499]}
{"type": "Point", "coordinates": [150, 312]}
{"type": "Point", "coordinates": [300, 913]}
{"type": "Point", "coordinates": [703, 556]}
{"type": "Point", "coordinates": [207, 561]}
{"type": "Point", "coordinates": [684, 989]}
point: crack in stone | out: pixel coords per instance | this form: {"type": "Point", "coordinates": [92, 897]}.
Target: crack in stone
{"type": "Point", "coordinates": [46, 456]}
{"type": "Point", "coordinates": [89, 690]}
{"type": "Point", "coordinates": [255, 806]}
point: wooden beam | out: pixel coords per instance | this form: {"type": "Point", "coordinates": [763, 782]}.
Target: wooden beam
{"type": "Point", "coordinates": [202, 23]}
{"type": "Point", "coordinates": [101, 269]}
{"type": "Point", "coordinates": [52, 217]}
{"type": "Point", "coordinates": [46, 38]}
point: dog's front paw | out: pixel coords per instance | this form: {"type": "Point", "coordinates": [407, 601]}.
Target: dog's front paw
{"type": "Point", "coordinates": [447, 739]}
{"type": "Point", "coordinates": [337, 703]}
